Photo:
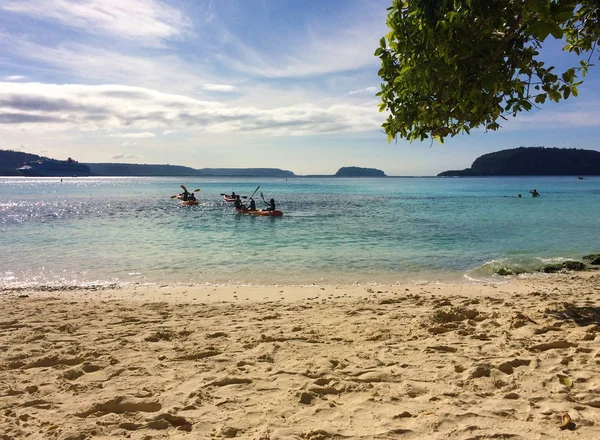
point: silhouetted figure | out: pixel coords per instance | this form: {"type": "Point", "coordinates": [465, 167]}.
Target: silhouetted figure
{"type": "Point", "coordinates": [271, 205]}
{"type": "Point", "coordinates": [238, 203]}
{"type": "Point", "coordinates": [519, 195]}
{"type": "Point", "coordinates": [252, 205]}
{"type": "Point", "coordinates": [534, 193]}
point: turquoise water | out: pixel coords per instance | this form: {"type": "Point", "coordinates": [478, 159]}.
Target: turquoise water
{"type": "Point", "coordinates": [86, 231]}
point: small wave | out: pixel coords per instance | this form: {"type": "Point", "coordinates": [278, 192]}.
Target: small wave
{"type": "Point", "coordinates": [58, 287]}
{"type": "Point", "coordinates": [499, 269]}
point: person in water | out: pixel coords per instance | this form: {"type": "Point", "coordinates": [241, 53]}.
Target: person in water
{"type": "Point", "coordinates": [271, 205]}
{"type": "Point", "coordinates": [238, 203]}
{"type": "Point", "coordinates": [252, 205]}
{"type": "Point", "coordinates": [192, 197]}
{"type": "Point", "coordinates": [534, 193]}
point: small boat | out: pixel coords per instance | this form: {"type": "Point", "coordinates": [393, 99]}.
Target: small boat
{"type": "Point", "coordinates": [45, 167]}
{"type": "Point", "coordinates": [263, 212]}
{"type": "Point", "coordinates": [189, 202]}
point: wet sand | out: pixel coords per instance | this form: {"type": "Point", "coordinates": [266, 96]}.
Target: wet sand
{"type": "Point", "coordinates": [312, 362]}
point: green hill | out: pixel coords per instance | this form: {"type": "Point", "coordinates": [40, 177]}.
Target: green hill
{"type": "Point", "coordinates": [359, 172]}
{"type": "Point", "coordinates": [533, 161]}
{"type": "Point", "coordinates": [11, 160]}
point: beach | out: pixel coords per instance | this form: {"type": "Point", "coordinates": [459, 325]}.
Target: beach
{"type": "Point", "coordinates": [436, 361]}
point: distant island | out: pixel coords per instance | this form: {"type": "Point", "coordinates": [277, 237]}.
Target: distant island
{"type": "Point", "coordinates": [359, 172]}
{"type": "Point", "coordinates": [11, 160]}
{"type": "Point", "coordinates": [149, 170]}
{"type": "Point", "coordinates": [533, 161]}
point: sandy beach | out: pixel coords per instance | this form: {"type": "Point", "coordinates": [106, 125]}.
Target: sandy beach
{"type": "Point", "coordinates": [507, 361]}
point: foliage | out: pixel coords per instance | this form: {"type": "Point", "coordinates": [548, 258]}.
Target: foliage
{"type": "Point", "coordinates": [452, 65]}
{"type": "Point", "coordinates": [359, 172]}
{"type": "Point", "coordinates": [11, 160]}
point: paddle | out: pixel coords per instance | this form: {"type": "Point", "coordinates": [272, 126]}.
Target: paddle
{"type": "Point", "coordinates": [263, 197]}
{"type": "Point", "coordinates": [251, 195]}
{"type": "Point", "coordinates": [196, 190]}
{"type": "Point", "coordinates": [255, 191]}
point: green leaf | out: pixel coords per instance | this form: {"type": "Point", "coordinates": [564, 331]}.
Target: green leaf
{"type": "Point", "coordinates": [382, 43]}
{"type": "Point", "coordinates": [574, 91]}
{"type": "Point", "coordinates": [554, 95]}
{"type": "Point", "coordinates": [555, 30]}
{"type": "Point", "coordinates": [539, 6]}
{"type": "Point", "coordinates": [567, 381]}
{"type": "Point", "coordinates": [541, 98]}
{"type": "Point", "coordinates": [563, 14]}
{"type": "Point", "coordinates": [539, 30]}
{"type": "Point", "coordinates": [378, 51]}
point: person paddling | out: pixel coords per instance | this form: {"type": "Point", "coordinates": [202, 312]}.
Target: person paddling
{"type": "Point", "coordinates": [238, 203]}
{"type": "Point", "coordinates": [271, 205]}
{"type": "Point", "coordinates": [186, 193]}
{"type": "Point", "coordinates": [252, 205]}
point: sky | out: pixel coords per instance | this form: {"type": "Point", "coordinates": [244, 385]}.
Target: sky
{"type": "Point", "coordinates": [231, 83]}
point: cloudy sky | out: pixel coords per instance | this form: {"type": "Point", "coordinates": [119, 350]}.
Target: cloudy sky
{"type": "Point", "coordinates": [230, 83]}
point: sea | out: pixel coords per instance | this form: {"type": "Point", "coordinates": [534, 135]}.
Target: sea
{"type": "Point", "coordinates": [116, 231]}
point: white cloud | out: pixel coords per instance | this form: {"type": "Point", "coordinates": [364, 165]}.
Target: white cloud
{"type": "Point", "coordinates": [143, 135]}
{"type": "Point", "coordinates": [128, 144]}
{"type": "Point", "coordinates": [219, 88]}
{"type": "Point", "coordinates": [13, 77]}
{"type": "Point", "coordinates": [365, 91]}
{"type": "Point", "coordinates": [146, 21]}
{"type": "Point", "coordinates": [124, 156]}
{"type": "Point", "coordinates": [317, 51]}
{"type": "Point", "coordinates": [94, 64]}
{"type": "Point", "coordinates": [590, 118]}
{"type": "Point", "coordinates": [134, 112]}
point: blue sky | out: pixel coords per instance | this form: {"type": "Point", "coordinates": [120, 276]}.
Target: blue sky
{"type": "Point", "coordinates": [230, 83]}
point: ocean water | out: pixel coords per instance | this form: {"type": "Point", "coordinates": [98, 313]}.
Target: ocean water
{"type": "Point", "coordinates": [104, 231]}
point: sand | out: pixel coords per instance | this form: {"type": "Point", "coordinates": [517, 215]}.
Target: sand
{"type": "Point", "coordinates": [313, 362]}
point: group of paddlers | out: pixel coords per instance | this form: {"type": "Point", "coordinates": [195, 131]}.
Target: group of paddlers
{"type": "Point", "coordinates": [240, 206]}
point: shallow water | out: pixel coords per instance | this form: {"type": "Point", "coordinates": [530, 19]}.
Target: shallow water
{"type": "Point", "coordinates": [105, 230]}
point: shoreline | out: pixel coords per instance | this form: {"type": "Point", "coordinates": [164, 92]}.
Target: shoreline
{"type": "Point", "coordinates": [497, 271]}
{"type": "Point", "coordinates": [230, 292]}
{"type": "Point", "coordinates": [313, 362]}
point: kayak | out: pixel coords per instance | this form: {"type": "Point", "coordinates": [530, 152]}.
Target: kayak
{"type": "Point", "coordinates": [229, 199]}
{"type": "Point", "coordinates": [189, 202]}
{"type": "Point", "coordinates": [263, 212]}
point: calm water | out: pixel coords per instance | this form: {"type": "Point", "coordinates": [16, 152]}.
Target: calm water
{"type": "Point", "coordinates": [123, 230]}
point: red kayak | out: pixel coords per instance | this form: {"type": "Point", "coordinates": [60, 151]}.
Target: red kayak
{"type": "Point", "coordinates": [276, 213]}
{"type": "Point", "coordinates": [189, 202]}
